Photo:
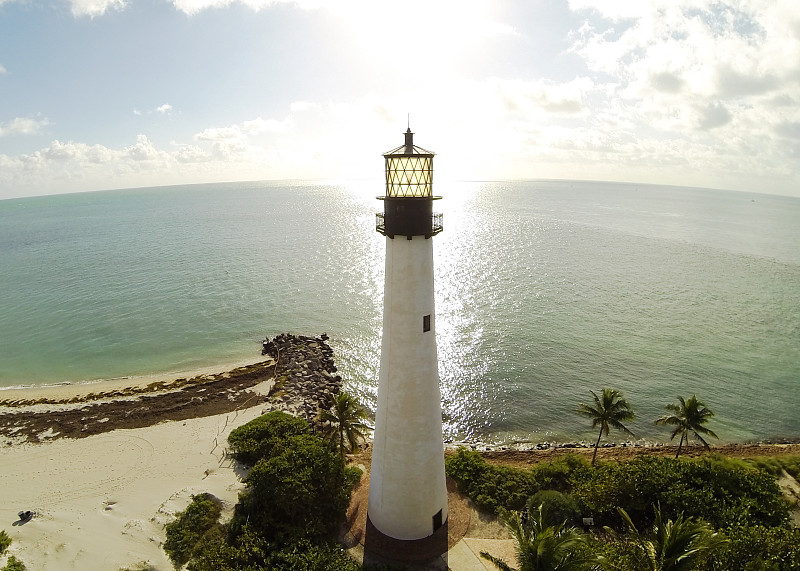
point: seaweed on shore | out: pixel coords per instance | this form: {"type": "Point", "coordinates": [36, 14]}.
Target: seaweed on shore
{"type": "Point", "coordinates": [303, 365]}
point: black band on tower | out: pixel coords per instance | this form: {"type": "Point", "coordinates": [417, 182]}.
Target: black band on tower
{"type": "Point", "coordinates": [405, 216]}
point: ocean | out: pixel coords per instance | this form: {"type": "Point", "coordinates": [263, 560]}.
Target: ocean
{"type": "Point", "coordinates": [545, 290]}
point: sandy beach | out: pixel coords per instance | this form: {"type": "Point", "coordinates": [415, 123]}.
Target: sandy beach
{"type": "Point", "coordinates": [101, 502]}
{"type": "Point", "coordinates": [105, 470]}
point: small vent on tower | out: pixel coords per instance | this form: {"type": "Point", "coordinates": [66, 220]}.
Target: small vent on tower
{"type": "Point", "coordinates": [426, 323]}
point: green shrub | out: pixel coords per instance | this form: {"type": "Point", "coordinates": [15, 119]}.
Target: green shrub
{"type": "Point", "coordinates": [720, 492]}
{"type": "Point", "coordinates": [352, 476]}
{"type": "Point", "coordinates": [217, 554]}
{"type": "Point", "coordinates": [301, 490]}
{"type": "Point", "coordinates": [490, 487]}
{"type": "Point", "coordinates": [253, 441]}
{"type": "Point", "coordinates": [251, 552]}
{"type": "Point", "coordinates": [557, 508]}
{"type": "Point", "coordinates": [558, 474]}
{"type": "Point", "coordinates": [306, 556]}
{"type": "Point", "coordinates": [775, 464]}
{"type": "Point", "coordinates": [5, 541]}
{"type": "Point", "coordinates": [14, 564]}
{"type": "Point", "coordinates": [758, 548]}
{"type": "Point", "coordinates": [184, 534]}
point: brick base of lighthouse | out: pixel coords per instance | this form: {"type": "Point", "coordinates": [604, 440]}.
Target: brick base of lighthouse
{"type": "Point", "coordinates": [360, 529]}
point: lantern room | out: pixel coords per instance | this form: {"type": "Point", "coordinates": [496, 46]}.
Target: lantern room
{"type": "Point", "coordinates": [408, 207]}
{"type": "Point", "coordinates": [409, 170]}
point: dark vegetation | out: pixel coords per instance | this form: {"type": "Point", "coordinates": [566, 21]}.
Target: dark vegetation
{"type": "Point", "coordinates": [655, 513]}
{"type": "Point", "coordinates": [12, 564]}
{"type": "Point", "coordinates": [296, 495]}
{"type": "Point", "coordinates": [649, 513]}
{"type": "Point", "coordinates": [5, 541]}
{"type": "Point", "coordinates": [738, 500]}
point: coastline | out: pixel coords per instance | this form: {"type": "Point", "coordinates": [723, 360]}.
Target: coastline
{"type": "Point", "coordinates": [295, 373]}
{"type": "Point", "coordinates": [19, 401]}
{"type": "Point", "coordinates": [105, 471]}
{"type": "Point", "coordinates": [68, 389]}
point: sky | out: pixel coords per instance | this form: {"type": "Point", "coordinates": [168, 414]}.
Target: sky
{"type": "Point", "coordinates": [102, 94]}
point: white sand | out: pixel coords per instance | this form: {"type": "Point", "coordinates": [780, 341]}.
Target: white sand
{"type": "Point", "coordinates": [102, 502]}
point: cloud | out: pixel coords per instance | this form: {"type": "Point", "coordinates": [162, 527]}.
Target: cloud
{"type": "Point", "coordinates": [591, 126]}
{"type": "Point", "coordinates": [789, 130]}
{"type": "Point", "coordinates": [3, 70]}
{"type": "Point", "coordinates": [94, 8]}
{"type": "Point", "coordinates": [242, 131]}
{"type": "Point", "coordinates": [144, 150]}
{"type": "Point", "coordinates": [192, 7]}
{"type": "Point", "coordinates": [23, 126]}
{"type": "Point", "coordinates": [239, 142]}
{"type": "Point", "coordinates": [731, 83]}
{"type": "Point", "coordinates": [714, 115]}
{"type": "Point", "coordinates": [717, 79]}
{"type": "Point", "coordinates": [165, 109]}
{"type": "Point", "coordinates": [191, 154]}
{"type": "Point", "coordinates": [667, 82]}
{"type": "Point", "coordinates": [544, 96]}
{"type": "Point", "coordinates": [717, 50]}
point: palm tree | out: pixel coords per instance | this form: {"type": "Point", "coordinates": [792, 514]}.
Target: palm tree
{"type": "Point", "coordinates": [345, 418]}
{"type": "Point", "coordinates": [670, 545]}
{"type": "Point", "coordinates": [688, 416]}
{"type": "Point", "coordinates": [542, 547]}
{"type": "Point", "coordinates": [609, 410]}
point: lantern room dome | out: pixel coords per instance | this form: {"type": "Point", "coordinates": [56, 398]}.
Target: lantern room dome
{"type": "Point", "coordinates": [409, 149]}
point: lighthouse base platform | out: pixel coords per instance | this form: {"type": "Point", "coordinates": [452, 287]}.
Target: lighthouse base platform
{"type": "Point", "coordinates": [361, 531]}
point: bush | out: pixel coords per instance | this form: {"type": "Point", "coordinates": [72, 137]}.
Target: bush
{"type": "Point", "coordinates": [255, 440]}
{"type": "Point", "coordinates": [494, 487]}
{"type": "Point", "coordinates": [296, 495]}
{"type": "Point", "coordinates": [774, 465]}
{"type": "Point", "coordinates": [14, 564]}
{"type": "Point", "coordinates": [185, 533]}
{"type": "Point", "coordinates": [557, 508]}
{"type": "Point", "coordinates": [306, 556]}
{"type": "Point", "coordinates": [720, 492]}
{"type": "Point", "coordinates": [5, 541]}
{"type": "Point", "coordinates": [559, 474]}
{"type": "Point", "coordinates": [490, 487]}
{"type": "Point", "coordinates": [758, 548]}
{"type": "Point", "coordinates": [301, 490]}
{"type": "Point", "coordinates": [216, 554]}
{"type": "Point", "coordinates": [251, 551]}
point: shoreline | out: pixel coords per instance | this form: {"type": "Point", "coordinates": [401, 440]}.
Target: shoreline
{"type": "Point", "coordinates": [295, 373]}
{"type": "Point", "coordinates": [61, 397]}
{"type": "Point", "coordinates": [70, 389]}
{"type": "Point", "coordinates": [105, 472]}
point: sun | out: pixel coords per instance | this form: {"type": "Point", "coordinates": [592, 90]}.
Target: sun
{"type": "Point", "coordinates": [432, 36]}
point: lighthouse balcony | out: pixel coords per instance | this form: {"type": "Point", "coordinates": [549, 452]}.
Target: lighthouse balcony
{"type": "Point", "coordinates": [430, 227]}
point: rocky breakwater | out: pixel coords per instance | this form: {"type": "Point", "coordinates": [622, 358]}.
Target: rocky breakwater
{"type": "Point", "coordinates": [305, 378]}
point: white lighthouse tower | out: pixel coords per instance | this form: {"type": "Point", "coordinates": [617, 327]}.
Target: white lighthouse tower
{"type": "Point", "coordinates": [407, 490]}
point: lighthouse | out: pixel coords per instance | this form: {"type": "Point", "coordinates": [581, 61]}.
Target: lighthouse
{"type": "Point", "coordinates": [407, 490]}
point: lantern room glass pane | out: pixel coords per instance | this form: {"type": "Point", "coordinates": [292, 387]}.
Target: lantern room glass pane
{"type": "Point", "coordinates": [409, 176]}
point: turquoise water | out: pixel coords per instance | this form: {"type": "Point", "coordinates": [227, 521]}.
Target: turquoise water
{"type": "Point", "coordinates": [545, 290]}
